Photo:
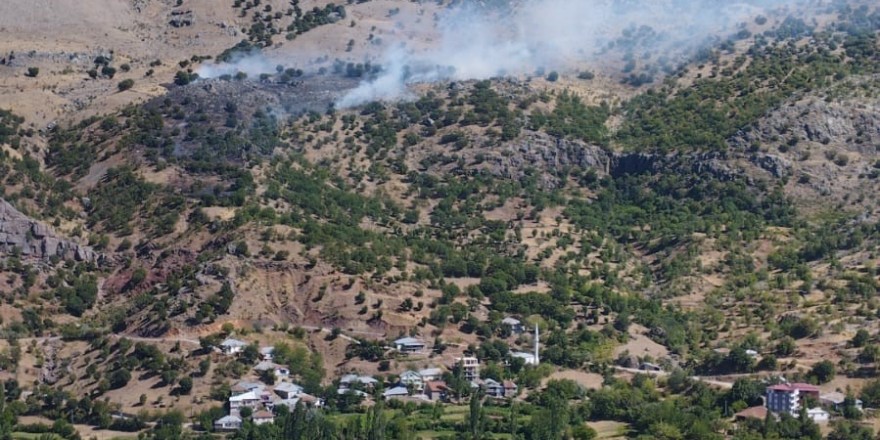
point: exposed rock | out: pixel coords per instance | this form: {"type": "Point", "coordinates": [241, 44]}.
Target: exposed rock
{"type": "Point", "coordinates": [35, 239]}
{"type": "Point", "coordinates": [181, 19]}
{"type": "Point", "coordinates": [549, 155]}
{"type": "Point", "coordinates": [777, 166]}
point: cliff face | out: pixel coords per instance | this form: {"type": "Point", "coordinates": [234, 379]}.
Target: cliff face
{"type": "Point", "coordinates": [35, 239]}
{"type": "Point", "coordinates": [547, 155]}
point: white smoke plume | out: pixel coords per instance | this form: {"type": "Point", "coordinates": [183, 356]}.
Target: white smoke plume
{"type": "Point", "coordinates": [479, 42]}
{"type": "Point", "coordinates": [252, 64]}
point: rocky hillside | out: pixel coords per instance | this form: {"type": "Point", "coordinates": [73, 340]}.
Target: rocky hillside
{"type": "Point", "coordinates": [717, 223]}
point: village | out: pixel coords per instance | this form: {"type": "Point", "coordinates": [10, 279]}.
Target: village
{"type": "Point", "coordinates": [257, 400]}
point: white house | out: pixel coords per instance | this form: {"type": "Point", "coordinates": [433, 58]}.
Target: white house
{"type": "Point", "coordinates": [818, 415]}
{"type": "Point", "coordinates": [470, 367]}
{"type": "Point", "coordinates": [287, 390]}
{"type": "Point", "coordinates": [355, 392]}
{"type": "Point", "coordinates": [250, 399]}
{"type": "Point", "coordinates": [528, 358]}
{"type": "Point", "coordinates": [266, 353]}
{"type": "Point", "coordinates": [431, 374]}
{"type": "Point", "coordinates": [412, 379]}
{"type": "Point", "coordinates": [244, 386]}
{"type": "Point", "coordinates": [516, 326]}
{"type": "Point", "coordinates": [232, 346]}
{"type": "Point", "coordinates": [228, 423]}
{"type": "Point", "coordinates": [409, 345]}
{"type": "Point", "coordinates": [263, 417]}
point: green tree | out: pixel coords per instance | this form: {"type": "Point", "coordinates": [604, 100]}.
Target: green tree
{"type": "Point", "coordinates": [118, 378]}
{"type": "Point", "coordinates": [849, 430]}
{"type": "Point", "coordinates": [476, 417]}
{"type": "Point", "coordinates": [125, 84]}
{"type": "Point", "coordinates": [861, 338]}
{"type": "Point", "coordinates": [870, 394]}
{"type": "Point", "coordinates": [185, 385]}
{"type": "Point", "coordinates": [7, 417]}
{"type": "Point", "coordinates": [823, 371]}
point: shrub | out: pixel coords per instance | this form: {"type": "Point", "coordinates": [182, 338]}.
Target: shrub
{"type": "Point", "coordinates": [183, 78]}
{"type": "Point", "coordinates": [33, 72]}
{"type": "Point", "coordinates": [119, 378]}
{"type": "Point", "coordinates": [125, 84]}
{"type": "Point", "coordinates": [586, 75]}
{"type": "Point", "coordinates": [184, 386]}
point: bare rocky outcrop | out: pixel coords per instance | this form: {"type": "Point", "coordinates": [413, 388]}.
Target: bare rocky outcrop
{"type": "Point", "coordinates": [35, 239]}
{"type": "Point", "coordinates": [181, 19]}
{"type": "Point", "coordinates": [548, 155]}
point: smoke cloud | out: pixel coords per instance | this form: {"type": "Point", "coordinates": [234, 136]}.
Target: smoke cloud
{"type": "Point", "coordinates": [470, 41]}
{"type": "Point", "coordinates": [252, 64]}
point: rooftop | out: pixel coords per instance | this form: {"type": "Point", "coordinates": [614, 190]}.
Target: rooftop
{"type": "Point", "coordinates": [351, 378]}
{"type": "Point", "coordinates": [263, 414]}
{"type": "Point", "coordinates": [755, 412]}
{"type": "Point", "coordinates": [435, 386]}
{"type": "Point", "coordinates": [250, 395]}
{"type": "Point", "coordinates": [288, 387]}
{"type": "Point", "coordinates": [396, 391]}
{"type": "Point", "coordinates": [431, 372]}
{"type": "Point", "coordinates": [267, 365]}
{"type": "Point", "coordinates": [229, 342]}
{"type": "Point", "coordinates": [409, 341]}
{"type": "Point", "coordinates": [795, 387]}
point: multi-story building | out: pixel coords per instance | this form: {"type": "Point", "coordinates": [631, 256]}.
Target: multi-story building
{"type": "Point", "coordinates": [789, 398]}
{"type": "Point", "coordinates": [470, 367]}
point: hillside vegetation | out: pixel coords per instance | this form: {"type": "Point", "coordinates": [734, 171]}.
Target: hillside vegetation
{"type": "Point", "coordinates": [717, 220]}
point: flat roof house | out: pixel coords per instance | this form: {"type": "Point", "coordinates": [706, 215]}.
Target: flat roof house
{"type": "Point", "coordinates": [788, 398]}
{"type": "Point", "coordinates": [250, 399]}
{"type": "Point", "coordinates": [516, 326]}
{"type": "Point", "coordinates": [818, 415]}
{"type": "Point", "coordinates": [429, 374]}
{"type": "Point", "coordinates": [232, 346]}
{"type": "Point", "coordinates": [470, 367]}
{"type": "Point", "coordinates": [528, 358]}
{"type": "Point", "coordinates": [409, 345]}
